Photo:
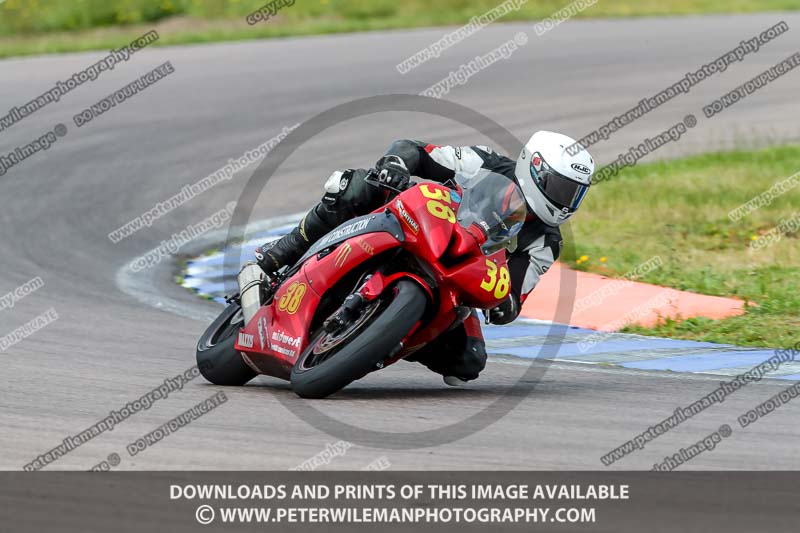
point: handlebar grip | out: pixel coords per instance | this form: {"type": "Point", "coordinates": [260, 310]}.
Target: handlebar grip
{"type": "Point", "coordinates": [371, 178]}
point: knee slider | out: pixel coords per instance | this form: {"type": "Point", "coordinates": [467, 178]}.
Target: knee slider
{"type": "Point", "coordinates": [336, 185]}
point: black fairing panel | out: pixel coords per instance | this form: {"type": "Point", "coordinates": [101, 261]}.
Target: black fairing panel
{"type": "Point", "coordinates": [375, 222]}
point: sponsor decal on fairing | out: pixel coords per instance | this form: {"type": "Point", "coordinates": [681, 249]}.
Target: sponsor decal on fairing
{"type": "Point", "coordinates": [409, 221]}
{"type": "Point", "coordinates": [245, 340]}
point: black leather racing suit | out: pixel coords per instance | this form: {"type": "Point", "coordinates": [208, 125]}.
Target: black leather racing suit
{"type": "Point", "coordinates": [461, 352]}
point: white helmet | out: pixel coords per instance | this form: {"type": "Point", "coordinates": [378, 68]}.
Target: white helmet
{"type": "Point", "coordinates": [553, 179]}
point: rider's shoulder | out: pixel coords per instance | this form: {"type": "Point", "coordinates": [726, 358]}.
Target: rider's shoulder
{"type": "Point", "coordinates": [490, 155]}
{"type": "Point", "coordinates": [484, 148]}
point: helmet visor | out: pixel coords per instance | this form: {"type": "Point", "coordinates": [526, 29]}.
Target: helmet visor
{"type": "Point", "coordinates": [560, 190]}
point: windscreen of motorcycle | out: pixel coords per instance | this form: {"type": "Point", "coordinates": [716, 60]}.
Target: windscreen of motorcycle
{"type": "Point", "coordinates": [495, 204]}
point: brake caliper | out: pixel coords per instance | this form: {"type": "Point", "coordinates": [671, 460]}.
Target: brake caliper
{"type": "Point", "coordinates": [344, 315]}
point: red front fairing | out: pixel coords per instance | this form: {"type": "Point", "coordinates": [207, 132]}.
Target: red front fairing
{"type": "Point", "coordinates": [464, 276]}
{"type": "Point", "coordinates": [460, 275]}
{"type": "Point", "coordinates": [460, 268]}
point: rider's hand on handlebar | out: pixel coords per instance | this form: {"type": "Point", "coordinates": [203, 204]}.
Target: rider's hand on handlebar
{"type": "Point", "coordinates": [392, 171]}
{"type": "Point", "coordinates": [504, 313]}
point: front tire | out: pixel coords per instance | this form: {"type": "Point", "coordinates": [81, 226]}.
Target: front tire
{"type": "Point", "coordinates": [318, 374]}
{"type": "Point", "coordinates": [217, 359]}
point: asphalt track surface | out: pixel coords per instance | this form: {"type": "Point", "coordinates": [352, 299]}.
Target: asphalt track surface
{"type": "Point", "coordinates": [108, 348]}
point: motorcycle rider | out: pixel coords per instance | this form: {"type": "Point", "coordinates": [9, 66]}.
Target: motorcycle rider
{"type": "Point", "coordinates": [554, 184]}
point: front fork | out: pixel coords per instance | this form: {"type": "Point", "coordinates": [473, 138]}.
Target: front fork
{"type": "Point", "coordinates": [373, 287]}
{"type": "Point", "coordinates": [349, 310]}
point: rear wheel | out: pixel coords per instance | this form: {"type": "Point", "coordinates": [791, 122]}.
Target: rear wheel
{"type": "Point", "coordinates": [217, 359]}
{"type": "Point", "coordinates": [334, 360]}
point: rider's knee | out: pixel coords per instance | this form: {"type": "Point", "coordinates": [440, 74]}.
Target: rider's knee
{"type": "Point", "coordinates": [473, 359]}
{"type": "Point", "coordinates": [336, 186]}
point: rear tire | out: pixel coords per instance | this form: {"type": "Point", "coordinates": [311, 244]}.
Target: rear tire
{"type": "Point", "coordinates": [219, 362]}
{"type": "Point", "coordinates": [368, 345]}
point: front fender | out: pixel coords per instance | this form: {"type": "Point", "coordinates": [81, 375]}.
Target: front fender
{"type": "Point", "coordinates": [378, 283]}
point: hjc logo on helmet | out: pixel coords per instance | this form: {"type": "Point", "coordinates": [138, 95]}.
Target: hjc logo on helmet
{"type": "Point", "coordinates": [583, 169]}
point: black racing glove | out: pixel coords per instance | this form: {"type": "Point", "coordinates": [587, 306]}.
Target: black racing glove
{"type": "Point", "coordinates": [505, 313]}
{"type": "Point", "coordinates": [393, 172]}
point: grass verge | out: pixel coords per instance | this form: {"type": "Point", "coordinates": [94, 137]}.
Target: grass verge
{"type": "Point", "coordinates": [678, 210]}
{"type": "Point", "coordinates": [52, 26]}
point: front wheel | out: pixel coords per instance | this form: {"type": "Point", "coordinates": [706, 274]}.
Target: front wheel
{"type": "Point", "coordinates": [333, 361]}
{"type": "Point", "coordinates": [217, 359]}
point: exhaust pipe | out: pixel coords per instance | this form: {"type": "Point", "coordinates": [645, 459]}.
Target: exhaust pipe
{"type": "Point", "coordinates": [250, 278]}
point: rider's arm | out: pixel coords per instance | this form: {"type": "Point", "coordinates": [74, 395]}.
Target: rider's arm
{"type": "Point", "coordinates": [526, 267]}
{"type": "Point", "coordinates": [436, 163]}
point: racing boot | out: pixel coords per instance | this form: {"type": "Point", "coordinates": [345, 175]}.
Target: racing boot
{"type": "Point", "coordinates": [274, 255]}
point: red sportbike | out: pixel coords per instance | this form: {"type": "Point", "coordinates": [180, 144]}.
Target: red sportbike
{"type": "Point", "coordinates": [372, 291]}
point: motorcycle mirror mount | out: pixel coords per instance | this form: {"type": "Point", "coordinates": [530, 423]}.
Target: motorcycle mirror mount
{"type": "Point", "coordinates": [466, 240]}
{"type": "Point", "coordinates": [478, 233]}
